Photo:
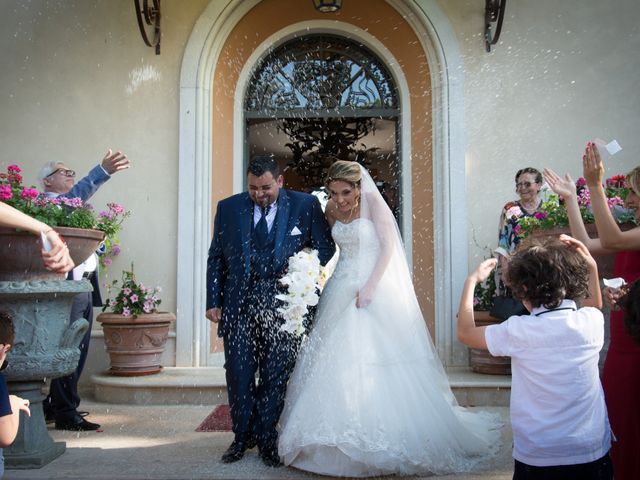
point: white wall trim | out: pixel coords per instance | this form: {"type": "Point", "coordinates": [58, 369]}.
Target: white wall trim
{"type": "Point", "coordinates": [194, 207]}
{"type": "Point", "coordinates": [446, 68]}
{"type": "Point", "coordinates": [194, 174]}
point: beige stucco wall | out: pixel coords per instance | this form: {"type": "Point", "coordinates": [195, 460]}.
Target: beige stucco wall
{"type": "Point", "coordinates": [563, 73]}
{"type": "Point", "coordinates": [77, 79]}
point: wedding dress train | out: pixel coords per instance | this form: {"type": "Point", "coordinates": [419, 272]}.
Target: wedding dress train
{"type": "Point", "coordinates": [368, 395]}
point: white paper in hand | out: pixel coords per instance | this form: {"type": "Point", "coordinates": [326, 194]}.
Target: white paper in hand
{"type": "Point", "coordinates": [46, 245]}
{"type": "Point", "coordinates": [607, 150]}
{"type": "Point", "coordinates": [614, 282]}
{"type": "Point", "coordinates": [613, 147]}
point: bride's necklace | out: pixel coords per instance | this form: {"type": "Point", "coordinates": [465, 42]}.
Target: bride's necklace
{"type": "Point", "coordinates": [351, 216]}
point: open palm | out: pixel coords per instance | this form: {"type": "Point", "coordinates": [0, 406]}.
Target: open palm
{"type": "Point", "coordinates": [562, 186]}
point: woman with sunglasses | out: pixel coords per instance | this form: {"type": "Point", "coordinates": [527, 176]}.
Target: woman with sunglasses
{"type": "Point", "coordinates": [528, 182]}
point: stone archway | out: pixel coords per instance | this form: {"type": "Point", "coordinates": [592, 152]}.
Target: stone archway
{"type": "Point", "coordinates": [198, 132]}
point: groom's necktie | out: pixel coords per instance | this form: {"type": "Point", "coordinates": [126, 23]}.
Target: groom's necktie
{"type": "Point", "coordinates": [262, 231]}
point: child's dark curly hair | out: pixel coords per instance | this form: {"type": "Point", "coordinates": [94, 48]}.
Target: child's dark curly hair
{"type": "Point", "coordinates": [7, 332]}
{"type": "Point", "coordinates": [545, 271]}
{"type": "Point", "coordinates": [630, 303]}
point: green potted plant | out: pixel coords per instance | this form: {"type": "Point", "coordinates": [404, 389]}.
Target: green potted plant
{"type": "Point", "coordinates": [135, 332]}
{"type": "Point", "coordinates": [552, 214]}
{"type": "Point", "coordinates": [552, 219]}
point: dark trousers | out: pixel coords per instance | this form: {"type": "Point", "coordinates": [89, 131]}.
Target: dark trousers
{"type": "Point", "coordinates": [63, 396]}
{"type": "Point", "coordinates": [600, 469]}
{"type": "Point", "coordinates": [253, 345]}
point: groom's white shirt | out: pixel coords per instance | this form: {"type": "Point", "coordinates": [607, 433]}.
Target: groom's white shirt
{"type": "Point", "coordinates": [271, 216]}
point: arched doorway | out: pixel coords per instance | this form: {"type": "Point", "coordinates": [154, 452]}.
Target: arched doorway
{"type": "Point", "coordinates": [319, 97]}
{"type": "Point", "coordinates": [209, 171]}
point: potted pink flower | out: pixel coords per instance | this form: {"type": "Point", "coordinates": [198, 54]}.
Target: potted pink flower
{"type": "Point", "coordinates": [135, 332]}
{"type": "Point", "coordinates": [553, 215]}
{"type": "Point", "coordinates": [74, 219]}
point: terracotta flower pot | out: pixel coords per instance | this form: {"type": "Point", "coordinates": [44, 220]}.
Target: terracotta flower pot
{"type": "Point", "coordinates": [20, 252]}
{"type": "Point", "coordinates": [481, 361]}
{"type": "Point", "coordinates": [135, 345]}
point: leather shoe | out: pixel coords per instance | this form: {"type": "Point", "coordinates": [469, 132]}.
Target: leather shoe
{"type": "Point", "coordinates": [270, 458]}
{"type": "Point", "coordinates": [77, 424]}
{"type": "Point", "coordinates": [235, 451]}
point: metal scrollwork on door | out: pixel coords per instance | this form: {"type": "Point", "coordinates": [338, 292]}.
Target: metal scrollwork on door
{"type": "Point", "coordinates": [321, 75]}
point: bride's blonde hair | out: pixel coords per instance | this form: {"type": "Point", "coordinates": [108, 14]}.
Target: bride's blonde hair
{"type": "Point", "coordinates": [344, 171]}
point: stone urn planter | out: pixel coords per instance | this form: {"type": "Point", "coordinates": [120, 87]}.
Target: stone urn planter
{"type": "Point", "coordinates": [46, 343]}
{"type": "Point", "coordinates": [135, 344]}
{"type": "Point", "coordinates": [481, 361]}
{"type": "Point", "coordinates": [20, 252]}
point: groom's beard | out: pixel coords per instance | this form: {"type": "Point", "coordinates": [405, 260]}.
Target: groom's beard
{"type": "Point", "coordinates": [262, 203]}
{"type": "Point", "coordinates": [265, 199]}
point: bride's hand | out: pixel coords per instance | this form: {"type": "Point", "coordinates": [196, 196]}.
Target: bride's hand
{"type": "Point", "coordinates": [364, 296]}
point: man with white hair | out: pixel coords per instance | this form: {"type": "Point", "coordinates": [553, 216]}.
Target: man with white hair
{"type": "Point", "coordinates": [58, 180]}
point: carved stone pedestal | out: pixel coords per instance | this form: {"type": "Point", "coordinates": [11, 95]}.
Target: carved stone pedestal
{"type": "Point", "coordinates": [46, 346]}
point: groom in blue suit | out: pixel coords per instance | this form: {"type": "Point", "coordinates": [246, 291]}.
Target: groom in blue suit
{"type": "Point", "coordinates": [254, 235]}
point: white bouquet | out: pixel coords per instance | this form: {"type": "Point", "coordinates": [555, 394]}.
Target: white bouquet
{"type": "Point", "coordinates": [302, 282]}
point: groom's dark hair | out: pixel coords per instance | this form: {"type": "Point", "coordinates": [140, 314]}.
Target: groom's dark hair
{"type": "Point", "coordinates": [261, 164]}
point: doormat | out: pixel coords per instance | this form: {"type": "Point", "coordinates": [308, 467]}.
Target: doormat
{"type": "Point", "coordinates": [217, 421]}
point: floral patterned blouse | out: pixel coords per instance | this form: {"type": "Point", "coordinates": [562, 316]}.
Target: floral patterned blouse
{"type": "Point", "coordinates": [508, 239]}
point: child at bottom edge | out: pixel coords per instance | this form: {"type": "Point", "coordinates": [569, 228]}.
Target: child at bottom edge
{"type": "Point", "coordinates": [558, 412]}
{"type": "Point", "coordinates": [10, 405]}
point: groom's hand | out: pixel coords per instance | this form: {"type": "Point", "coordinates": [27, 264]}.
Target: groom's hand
{"type": "Point", "coordinates": [214, 314]}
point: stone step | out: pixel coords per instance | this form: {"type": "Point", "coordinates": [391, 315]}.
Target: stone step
{"type": "Point", "coordinates": [172, 386]}
{"type": "Point", "coordinates": [476, 389]}
{"type": "Point", "coordinates": [206, 386]}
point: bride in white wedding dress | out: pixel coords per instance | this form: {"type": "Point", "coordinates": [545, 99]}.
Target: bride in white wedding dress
{"type": "Point", "coordinates": [368, 395]}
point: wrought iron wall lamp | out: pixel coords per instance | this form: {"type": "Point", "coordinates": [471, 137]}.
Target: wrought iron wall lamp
{"type": "Point", "coordinates": [493, 11]}
{"type": "Point", "coordinates": [327, 6]}
{"type": "Point", "coordinates": [149, 15]}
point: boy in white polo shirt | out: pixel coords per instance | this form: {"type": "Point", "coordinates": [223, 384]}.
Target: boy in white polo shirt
{"type": "Point", "coordinates": [558, 414]}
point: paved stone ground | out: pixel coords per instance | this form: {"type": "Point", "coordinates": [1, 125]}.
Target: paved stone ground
{"type": "Point", "coordinates": [160, 442]}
